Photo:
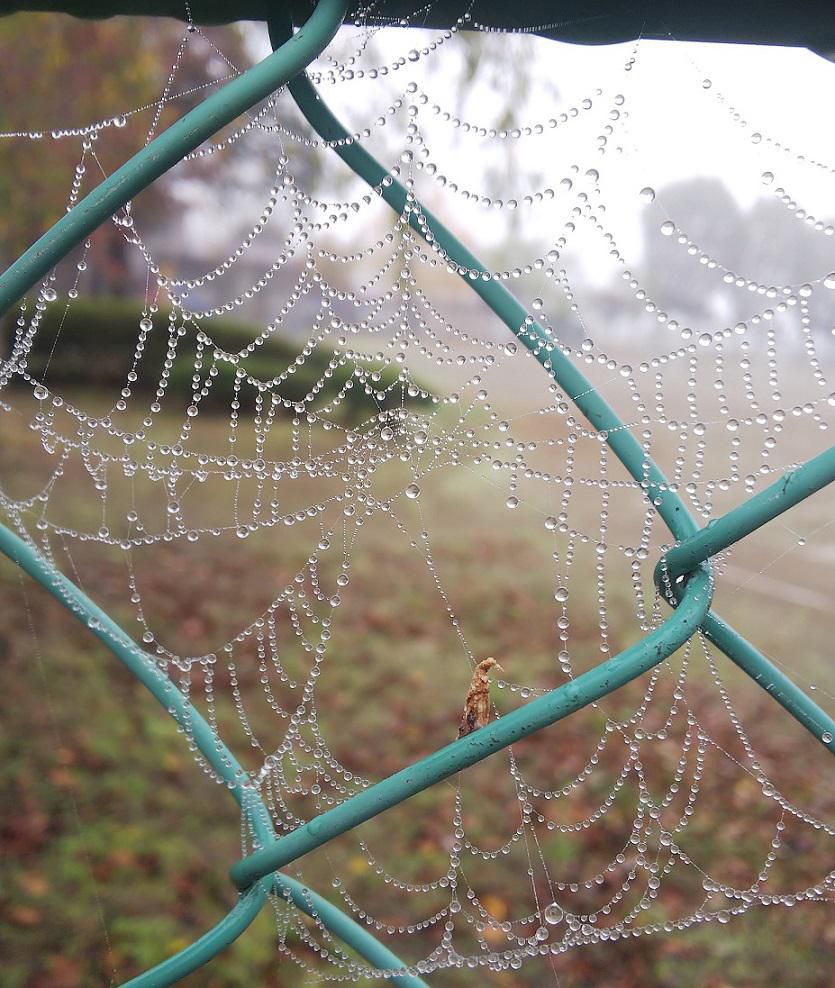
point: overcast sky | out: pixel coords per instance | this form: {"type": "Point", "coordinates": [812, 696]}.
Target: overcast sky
{"type": "Point", "coordinates": [678, 96]}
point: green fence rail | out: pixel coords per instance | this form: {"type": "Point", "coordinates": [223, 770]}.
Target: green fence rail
{"type": "Point", "coordinates": [683, 575]}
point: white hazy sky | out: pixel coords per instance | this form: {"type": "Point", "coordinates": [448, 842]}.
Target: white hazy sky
{"type": "Point", "coordinates": [680, 126]}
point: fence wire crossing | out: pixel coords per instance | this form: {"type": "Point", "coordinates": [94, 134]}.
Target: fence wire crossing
{"type": "Point", "coordinates": [683, 575]}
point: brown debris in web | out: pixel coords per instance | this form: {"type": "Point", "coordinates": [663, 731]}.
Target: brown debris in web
{"type": "Point", "coordinates": [477, 705]}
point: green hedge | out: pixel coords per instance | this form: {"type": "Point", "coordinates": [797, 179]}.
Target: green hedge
{"type": "Point", "coordinates": [96, 343]}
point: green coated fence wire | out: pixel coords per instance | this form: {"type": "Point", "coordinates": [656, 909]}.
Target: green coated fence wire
{"type": "Point", "coordinates": [683, 575]}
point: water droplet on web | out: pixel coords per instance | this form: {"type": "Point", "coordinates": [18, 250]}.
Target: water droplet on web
{"type": "Point", "coordinates": [561, 595]}
{"type": "Point", "coordinates": [706, 83]}
{"type": "Point", "coordinates": [512, 502]}
{"type": "Point", "coordinates": [511, 348]}
{"type": "Point", "coordinates": [767, 178]}
{"type": "Point", "coordinates": [829, 280]}
{"type": "Point", "coordinates": [120, 121]}
{"type": "Point", "coordinates": [40, 392]}
{"type": "Point", "coordinates": [192, 410]}
{"type": "Point", "coordinates": [647, 194]}
{"type": "Point", "coordinates": [553, 914]}
{"type": "Point", "coordinates": [550, 523]}
{"type": "Point", "coordinates": [826, 737]}
{"type": "Point", "coordinates": [668, 228]}
{"type": "Point", "coordinates": [49, 294]}
{"type": "Point", "coordinates": [413, 491]}
{"type": "Point", "coordinates": [537, 304]}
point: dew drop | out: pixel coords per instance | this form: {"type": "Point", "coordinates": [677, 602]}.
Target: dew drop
{"type": "Point", "coordinates": [826, 737]}
{"type": "Point", "coordinates": [553, 914]}
{"type": "Point", "coordinates": [668, 228]}
{"type": "Point", "coordinates": [49, 294]}
{"type": "Point", "coordinates": [413, 491]}
{"type": "Point", "coordinates": [829, 280]}
{"type": "Point", "coordinates": [40, 393]}
{"type": "Point", "coordinates": [537, 304]}
{"type": "Point", "coordinates": [647, 194]}
{"type": "Point", "coordinates": [551, 523]}
{"type": "Point", "coordinates": [512, 502]}
{"type": "Point", "coordinates": [767, 178]}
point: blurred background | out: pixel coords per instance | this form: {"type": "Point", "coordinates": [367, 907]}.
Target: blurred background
{"type": "Point", "coordinates": [683, 180]}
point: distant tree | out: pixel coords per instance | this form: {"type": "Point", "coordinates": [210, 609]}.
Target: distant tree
{"type": "Point", "coordinates": [61, 73]}
{"type": "Point", "coordinates": [707, 213]}
{"type": "Point", "coordinates": [767, 244]}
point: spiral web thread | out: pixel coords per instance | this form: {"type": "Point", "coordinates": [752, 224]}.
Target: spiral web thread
{"type": "Point", "coordinates": [725, 410]}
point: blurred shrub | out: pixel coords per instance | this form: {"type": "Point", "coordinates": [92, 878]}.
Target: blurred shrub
{"type": "Point", "coordinates": [93, 345]}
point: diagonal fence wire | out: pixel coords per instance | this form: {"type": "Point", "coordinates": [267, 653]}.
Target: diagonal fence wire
{"type": "Point", "coordinates": [683, 575]}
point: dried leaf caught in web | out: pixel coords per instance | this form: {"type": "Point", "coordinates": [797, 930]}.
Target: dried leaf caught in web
{"type": "Point", "coordinates": [477, 705]}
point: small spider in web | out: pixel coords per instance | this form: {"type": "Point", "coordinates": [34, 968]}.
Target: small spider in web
{"type": "Point", "coordinates": [477, 705]}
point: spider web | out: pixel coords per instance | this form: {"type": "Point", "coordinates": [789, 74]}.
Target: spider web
{"type": "Point", "coordinates": [430, 496]}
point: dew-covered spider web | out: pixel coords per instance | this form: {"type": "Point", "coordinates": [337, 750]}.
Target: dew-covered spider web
{"type": "Point", "coordinates": [319, 481]}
